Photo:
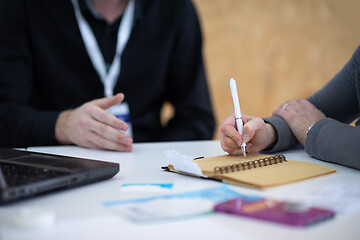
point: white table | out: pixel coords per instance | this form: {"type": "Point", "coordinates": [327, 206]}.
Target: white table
{"type": "Point", "coordinates": [81, 215]}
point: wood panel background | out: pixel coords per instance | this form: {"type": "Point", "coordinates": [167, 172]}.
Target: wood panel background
{"type": "Point", "coordinates": [275, 49]}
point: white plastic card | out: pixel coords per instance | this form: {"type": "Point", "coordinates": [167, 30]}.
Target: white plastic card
{"type": "Point", "coordinates": [122, 111]}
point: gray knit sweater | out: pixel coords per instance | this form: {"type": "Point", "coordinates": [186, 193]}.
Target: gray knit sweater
{"type": "Point", "coordinates": [331, 139]}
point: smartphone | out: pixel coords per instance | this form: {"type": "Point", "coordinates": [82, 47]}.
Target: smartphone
{"type": "Point", "coordinates": [283, 212]}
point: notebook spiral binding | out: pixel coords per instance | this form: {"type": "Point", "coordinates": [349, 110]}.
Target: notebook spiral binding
{"type": "Point", "coordinates": [263, 162]}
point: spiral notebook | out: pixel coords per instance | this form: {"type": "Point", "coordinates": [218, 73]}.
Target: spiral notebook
{"type": "Point", "coordinates": [257, 170]}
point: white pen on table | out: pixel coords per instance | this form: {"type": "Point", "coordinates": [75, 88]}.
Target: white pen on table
{"type": "Point", "coordinates": [239, 122]}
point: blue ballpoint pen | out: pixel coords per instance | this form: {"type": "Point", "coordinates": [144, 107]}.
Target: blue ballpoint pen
{"type": "Point", "coordinates": [239, 122]}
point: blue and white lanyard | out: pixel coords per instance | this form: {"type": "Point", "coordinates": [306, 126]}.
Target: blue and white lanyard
{"type": "Point", "coordinates": [108, 78]}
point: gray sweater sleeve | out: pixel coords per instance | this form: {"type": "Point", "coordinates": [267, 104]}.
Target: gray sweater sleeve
{"type": "Point", "coordinates": [331, 139]}
{"type": "Point", "coordinates": [286, 138]}
{"type": "Point", "coordinates": [335, 142]}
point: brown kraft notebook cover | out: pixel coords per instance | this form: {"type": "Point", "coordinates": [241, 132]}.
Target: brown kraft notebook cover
{"type": "Point", "coordinates": [256, 170]}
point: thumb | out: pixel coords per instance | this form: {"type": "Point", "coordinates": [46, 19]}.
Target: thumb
{"type": "Point", "coordinates": [250, 128]}
{"type": "Point", "coordinates": [107, 102]}
{"type": "Point", "coordinates": [246, 136]}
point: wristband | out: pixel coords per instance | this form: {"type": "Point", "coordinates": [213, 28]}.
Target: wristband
{"type": "Point", "coordinates": [307, 132]}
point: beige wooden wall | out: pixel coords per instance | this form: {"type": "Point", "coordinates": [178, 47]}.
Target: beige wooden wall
{"type": "Point", "coordinates": [275, 49]}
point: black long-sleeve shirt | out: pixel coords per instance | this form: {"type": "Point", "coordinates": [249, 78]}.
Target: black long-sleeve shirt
{"type": "Point", "coordinates": [45, 69]}
{"type": "Point", "coordinates": [331, 139]}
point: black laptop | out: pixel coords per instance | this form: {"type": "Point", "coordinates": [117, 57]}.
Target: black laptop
{"type": "Point", "coordinates": [24, 174]}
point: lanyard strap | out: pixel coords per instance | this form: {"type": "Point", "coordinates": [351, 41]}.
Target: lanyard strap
{"type": "Point", "coordinates": [108, 78]}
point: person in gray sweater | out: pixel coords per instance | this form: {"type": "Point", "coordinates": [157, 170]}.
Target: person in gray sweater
{"type": "Point", "coordinates": [327, 123]}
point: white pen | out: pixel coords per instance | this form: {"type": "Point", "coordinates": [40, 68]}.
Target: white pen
{"type": "Point", "coordinates": [239, 122]}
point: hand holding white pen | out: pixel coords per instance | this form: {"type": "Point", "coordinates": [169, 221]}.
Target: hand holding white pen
{"type": "Point", "coordinates": [239, 122]}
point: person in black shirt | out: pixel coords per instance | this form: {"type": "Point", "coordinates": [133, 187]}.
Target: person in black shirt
{"type": "Point", "coordinates": [52, 93]}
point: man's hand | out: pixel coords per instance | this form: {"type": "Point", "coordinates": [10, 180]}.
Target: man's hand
{"type": "Point", "coordinates": [256, 134]}
{"type": "Point", "coordinates": [91, 126]}
{"type": "Point", "coordinates": [299, 114]}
